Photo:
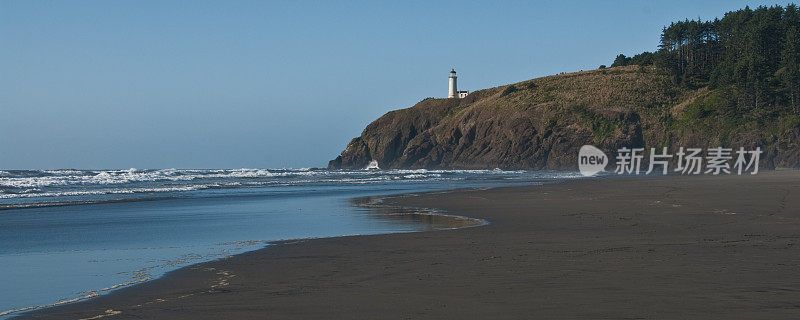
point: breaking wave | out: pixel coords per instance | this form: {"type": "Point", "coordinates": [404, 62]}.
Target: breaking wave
{"type": "Point", "coordinates": [24, 188]}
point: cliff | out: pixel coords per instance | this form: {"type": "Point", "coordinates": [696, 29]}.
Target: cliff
{"type": "Point", "coordinates": [541, 124]}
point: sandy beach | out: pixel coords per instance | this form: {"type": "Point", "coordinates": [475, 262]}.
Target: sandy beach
{"type": "Point", "coordinates": [719, 247]}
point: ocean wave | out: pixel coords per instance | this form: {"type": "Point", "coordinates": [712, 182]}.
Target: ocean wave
{"type": "Point", "coordinates": [22, 191]}
{"type": "Point", "coordinates": [107, 191]}
{"type": "Point", "coordinates": [97, 184]}
{"type": "Point", "coordinates": [64, 177]}
{"type": "Point", "coordinates": [63, 171]}
{"type": "Point", "coordinates": [420, 176]}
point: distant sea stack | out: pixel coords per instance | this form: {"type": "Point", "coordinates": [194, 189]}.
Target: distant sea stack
{"type": "Point", "coordinates": [542, 123]}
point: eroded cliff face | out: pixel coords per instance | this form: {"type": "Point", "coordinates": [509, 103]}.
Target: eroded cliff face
{"type": "Point", "coordinates": [386, 139]}
{"type": "Point", "coordinates": [542, 123]}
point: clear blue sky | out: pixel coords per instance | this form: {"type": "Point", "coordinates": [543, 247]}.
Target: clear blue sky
{"type": "Point", "coordinates": [212, 84]}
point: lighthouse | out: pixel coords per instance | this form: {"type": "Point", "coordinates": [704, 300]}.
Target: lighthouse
{"type": "Point", "coordinates": [453, 91]}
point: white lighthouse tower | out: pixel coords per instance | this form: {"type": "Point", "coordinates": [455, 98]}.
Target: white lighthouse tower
{"type": "Point", "coordinates": [453, 90]}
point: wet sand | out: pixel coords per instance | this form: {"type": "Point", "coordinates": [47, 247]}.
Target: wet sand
{"type": "Point", "coordinates": [670, 247]}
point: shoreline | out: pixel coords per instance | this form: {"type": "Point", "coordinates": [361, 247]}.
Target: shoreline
{"type": "Point", "coordinates": [436, 219]}
{"type": "Point", "coordinates": [677, 247]}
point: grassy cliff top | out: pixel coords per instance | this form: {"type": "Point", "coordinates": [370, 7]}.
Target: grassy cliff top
{"type": "Point", "coordinates": [541, 123]}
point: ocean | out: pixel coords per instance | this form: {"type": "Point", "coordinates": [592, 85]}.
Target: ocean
{"type": "Point", "coordinates": [68, 235]}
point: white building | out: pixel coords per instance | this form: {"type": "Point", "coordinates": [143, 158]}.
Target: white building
{"type": "Point", "coordinates": [453, 92]}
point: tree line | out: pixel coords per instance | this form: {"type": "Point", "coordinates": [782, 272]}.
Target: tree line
{"type": "Point", "coordinates": [753, 53]}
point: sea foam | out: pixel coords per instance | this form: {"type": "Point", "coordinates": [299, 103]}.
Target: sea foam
{"type": "Point", "coordinates": [87, 184]}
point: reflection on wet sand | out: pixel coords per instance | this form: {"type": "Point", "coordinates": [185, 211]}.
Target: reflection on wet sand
{"type": "Point", "coordinates": [430, 219]}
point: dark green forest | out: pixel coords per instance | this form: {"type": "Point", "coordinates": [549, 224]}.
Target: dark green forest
{"type": "Point", "coordinates": [750, 56]}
